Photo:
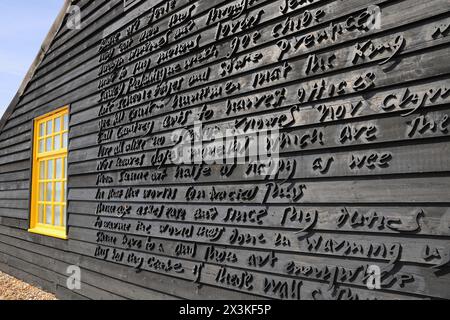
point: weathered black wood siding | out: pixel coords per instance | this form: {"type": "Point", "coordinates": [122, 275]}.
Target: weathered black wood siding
{"type": "Point", "coordinates": [364, 143]}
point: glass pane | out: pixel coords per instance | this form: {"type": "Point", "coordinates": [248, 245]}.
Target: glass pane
{"type": "Point", "coordinates": [42, 170]}
{"type": "Point", "coordinates": [57, 142]}
{"type": "Point", "coordinates": [48, 144]}
{"type": "Point", "coordinates": [58, 191]}
{"type": "Point", "coordinates": [59, 172]}
{"type": "Point", "coordinates": [41, 191]}
{"type": "Point", "coordinates": [64, 192]}
{"type": "Point", "coordinates": [64, 213]}
{"type": "Point", "coordinates": [57, 216]}
{"type": "Point", "coordinates": [66, 122]}
{"type": "Point", "coordinates": [48, 215]}
{"type": "Point", "coordinates": [41, 214]}
{"type": "Point", "coordinates": [57, 124]}
{"type": "Point", "coordinates": [48, 189]}
{"type": "Point", "coordinates": [49, 127]}
{"type": "Point", "coordinates": [41, 129]}
{"type": "Point", "coordinates": [41, 146]}
{"type": "Point", "coordinates": [50, 166]}
{"type": "Point", "coordinates": [64, 145]}
{"type": "Point", "coordinates": [65, 168]}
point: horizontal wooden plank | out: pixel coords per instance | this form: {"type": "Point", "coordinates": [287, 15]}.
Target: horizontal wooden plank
{"type": "Point", "coordinates": [14, 213]}
{"type": "Point", "coordinates": [15, 204]}
{"type": "Point", "coordinates": [15, 223]}
{"type": "Point", "coordinates": [308, 242]}
{"type": "Point", "coordinates": [18, 175]}
{"type": "Point", "coordinates": [282, 146]}
{"type": "Point", "coordinates": [150, 280]}
{"type": "Point", "coordinates": [360, 177]}
{"type": "Point", "coordinates": [384, 161]}
{"type": "Point", "coordinates": [100, 288]}
{"type": "Point", "coordinates": [406, 190]}
{"type": "Point", "coordinates": [14, 185]}
{"type": "Point", "coordinates": [87, 290]}
{"type": "Point", "coordinates": [417, 221]}
{"type": "Point", "coordinates": [241, 257]}
{"type": "Point", "coordinates": [14, 195]}
{"type": "Point", "coordinates": [211, 275]}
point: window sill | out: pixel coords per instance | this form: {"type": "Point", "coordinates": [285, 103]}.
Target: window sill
{"type": "Point", "coordinates": [49, 232]}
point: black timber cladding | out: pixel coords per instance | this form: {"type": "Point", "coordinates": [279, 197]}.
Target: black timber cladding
{"type": "Point", "coordinates": [359, 93]}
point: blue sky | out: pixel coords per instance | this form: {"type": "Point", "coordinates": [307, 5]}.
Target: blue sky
{"type": "Point", "coordinates": [23, 27]}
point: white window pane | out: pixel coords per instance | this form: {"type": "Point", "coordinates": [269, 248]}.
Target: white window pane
{"type": "Point", "coordinates": [57, 216]}
{"type": "Point", "coordinates": [50, 166]}
{"type": "Point", "coordinates": [57, 124]}
{"type": "Point", "coordinates": [64, 193]}
{"type": "Point", "coordinates": [65, 137]}
{"type": "Point", "coordinates": [42, 170]}
{"type": "Point", "coordinates": [58, 191]}
{"type": "Point", "coordinates": [48, 215]}
{"type": "Point", "coordinates": [48, 188]}
{"type": "Point", "coordinates": [57, 142]}
{"type": "Point", "coordinates": [66, 122]}
{"type": "Point", "coordinates": [41, 214]}
{"type": "Point", "coordinates": [41, 191]}
{"type": "Point", "coordinates": [49, 127]}
{"type": "Point", "coordinates": [48, 145]}
{"type": "Point", "coordinates": [64, 213]}
{"type": "Point", "coordinates": [41, 129]}
{"type": "Point", "coordinates": [59, 168]}
{"type": "Point", "coordinates": [41, 146]}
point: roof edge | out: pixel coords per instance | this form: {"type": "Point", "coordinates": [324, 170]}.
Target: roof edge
{"type": "Point", "coordinates": [57, 24]}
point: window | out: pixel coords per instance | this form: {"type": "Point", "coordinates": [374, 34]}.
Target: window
{"type": "Point", "coordinates": [49, 181]}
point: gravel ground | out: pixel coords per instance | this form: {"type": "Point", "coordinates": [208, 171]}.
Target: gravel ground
{"type": "Point", "coordinates": [13, 289]}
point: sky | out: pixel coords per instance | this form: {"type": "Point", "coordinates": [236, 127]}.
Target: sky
{"type": "Point", "coordinates": [23, 27]}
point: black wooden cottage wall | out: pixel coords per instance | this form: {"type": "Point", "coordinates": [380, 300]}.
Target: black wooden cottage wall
{"type": "Point", "coordinates": [364, 144]}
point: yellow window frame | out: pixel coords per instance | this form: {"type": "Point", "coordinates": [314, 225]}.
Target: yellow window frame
{"type": "Point", "coordinates": [40, 176]}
